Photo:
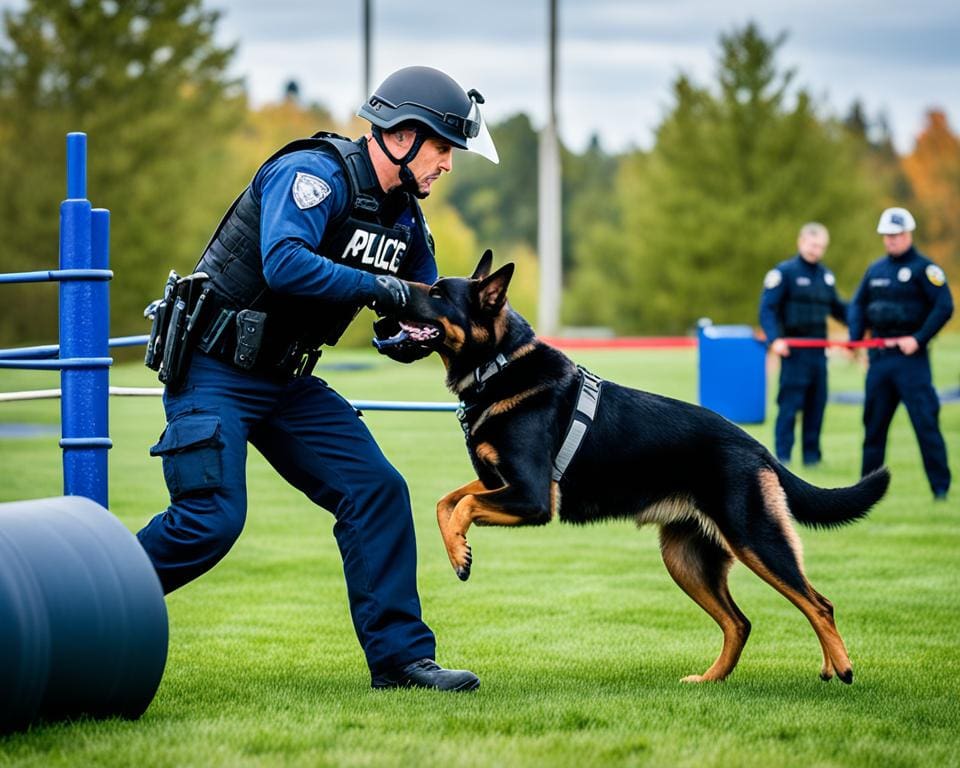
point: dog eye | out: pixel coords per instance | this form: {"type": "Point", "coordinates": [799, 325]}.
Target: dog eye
{"type": "Point", "coordinates": [436, 293]}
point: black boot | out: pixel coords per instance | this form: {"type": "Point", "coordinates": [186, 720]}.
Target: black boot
{"type": "Point", "coordinates": [426, 673]}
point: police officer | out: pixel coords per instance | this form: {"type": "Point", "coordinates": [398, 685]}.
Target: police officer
{"type": "Point", "coordinates": [326, 226]}
{"type": "Point", "coordinates": [904, 298]}
{"type": "Point", "coordinates": [798, 295]}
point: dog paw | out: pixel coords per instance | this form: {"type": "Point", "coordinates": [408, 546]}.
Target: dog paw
{"type": "Point", "coordinates": [461, 557]}
{"type": "Point", "coordinates": [705, 678]}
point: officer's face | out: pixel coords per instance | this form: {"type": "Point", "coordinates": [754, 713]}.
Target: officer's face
{"type": "Point", "coordinates": [435, 157]}
{"type": "Point", "coordinates": [812, 247]}
{"type": "Point", "coordinates": [899, 244]}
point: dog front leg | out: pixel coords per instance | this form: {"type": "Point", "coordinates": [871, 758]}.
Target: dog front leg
{"type": "Point", "coordinates": [446, 505]}
{"type": "Point", "coordinates": [483, 507]}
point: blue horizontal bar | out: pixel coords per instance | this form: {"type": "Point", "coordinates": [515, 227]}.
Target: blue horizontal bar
{"type": "Point", "coordinates": [58, 365]}
{"type": "Point", "coordinates": [54, 275]}
{"type": "Point", "coordinates": [128, 341]}
{"type": "Point", "coordinates": [389, 405]}
{"type": "Point", "coordinates": [86, 442]}
{"type": "Point", "coordinates": [30, 353]}
{"type": "Point", "coordinates": [52, 350]}
{"type": "Point", "coordinates": [57, 275]}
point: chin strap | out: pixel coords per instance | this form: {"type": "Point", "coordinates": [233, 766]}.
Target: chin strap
{"type": "Point", "coordinates": [407, 180]}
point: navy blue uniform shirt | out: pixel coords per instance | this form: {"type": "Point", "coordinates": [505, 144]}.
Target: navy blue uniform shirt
{"type": "Point", "coordinates": [905, 295]}
{"type": "Point", "coordinates": [289, 233]}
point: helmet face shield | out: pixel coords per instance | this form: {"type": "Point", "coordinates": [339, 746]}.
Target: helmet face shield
{"type": "Point", "coordinates": [480, 141]}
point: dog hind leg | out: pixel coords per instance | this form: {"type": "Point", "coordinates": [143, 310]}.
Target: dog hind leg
{"type": "Point", "coordinates": [773, 552]}
{"type": "Point", "coordinates": [700, 565]}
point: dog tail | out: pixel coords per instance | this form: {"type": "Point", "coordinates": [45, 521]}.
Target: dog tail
{"type": "Point", "coordinates": [829, 507]}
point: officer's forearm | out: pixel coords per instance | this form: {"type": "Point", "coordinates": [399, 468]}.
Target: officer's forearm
{"type": "Point", "coordinates": [934, 322]}
{"type": "Point", "coordinates": [292, 268]}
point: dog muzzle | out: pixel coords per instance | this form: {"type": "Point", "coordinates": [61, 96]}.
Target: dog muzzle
{"type": "Point", "coordinates": [404, 341]}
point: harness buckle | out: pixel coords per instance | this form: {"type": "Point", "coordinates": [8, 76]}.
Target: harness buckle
{"type": "Point", "coordinates": [462, 418]}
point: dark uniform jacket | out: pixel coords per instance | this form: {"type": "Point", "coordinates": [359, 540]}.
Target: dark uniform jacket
{"type": "Point", "coordinates": [306, 239]}
{"type": "Point", "coordinates": [797, 298]}
{"type": "Point", "coordinates": [905, 295]}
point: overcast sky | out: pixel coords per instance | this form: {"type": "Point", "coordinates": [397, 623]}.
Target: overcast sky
{"type": "Point", "coordinates": [617, 57]}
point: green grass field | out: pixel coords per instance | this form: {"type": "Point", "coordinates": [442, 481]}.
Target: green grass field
{"type": "Point", "coordinates": [579, 635]}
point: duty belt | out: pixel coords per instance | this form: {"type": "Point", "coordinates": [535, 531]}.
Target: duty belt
{"type": "Point", "coordinates": [245, 340]}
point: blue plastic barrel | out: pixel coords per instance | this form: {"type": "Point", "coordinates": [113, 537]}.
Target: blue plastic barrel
{"type": "Point", "coordinates": [83, 623]}
{"type": "Point", "coordinates": [733, 374]}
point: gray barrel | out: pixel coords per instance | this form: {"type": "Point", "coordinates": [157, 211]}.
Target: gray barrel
{"type": "Point", "coordinates": [83, 623]}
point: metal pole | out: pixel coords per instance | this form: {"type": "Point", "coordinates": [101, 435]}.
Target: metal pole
{"type": "Point", "coordinates": [367, 25]}
{"type": "Point", "coordinates": [549, 242]}
{"type": "Point", "coordinates": [84, 323]}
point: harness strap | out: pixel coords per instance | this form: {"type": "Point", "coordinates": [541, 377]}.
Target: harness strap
{"type": "Point", "coordinates": [587, 399]}
{"type": "Point", "coordinates": [488, 371]}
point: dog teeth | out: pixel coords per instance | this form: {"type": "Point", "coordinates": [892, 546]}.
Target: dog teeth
{"type": "Point", "coordinates": [419, 332]}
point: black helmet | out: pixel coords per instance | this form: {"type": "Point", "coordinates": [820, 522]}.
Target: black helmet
{"type": "Point", "coordinates": [433, 99]}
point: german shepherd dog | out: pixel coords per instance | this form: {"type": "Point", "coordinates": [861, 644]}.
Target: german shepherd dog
{"type": "Point", "coordinates": [716, 493]}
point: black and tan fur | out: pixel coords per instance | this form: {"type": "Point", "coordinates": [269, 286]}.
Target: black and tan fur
{"type": "Point", "coordinates": [717, 494]}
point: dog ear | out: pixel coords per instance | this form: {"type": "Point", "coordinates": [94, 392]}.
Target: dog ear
{"type": "Point", "coordinates": [493, 289]}
{"type": "Point", "coordinates": [483, 267]}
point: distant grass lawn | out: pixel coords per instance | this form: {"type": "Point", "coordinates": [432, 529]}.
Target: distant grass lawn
{"type": "Point", "coordinates": [579, 635]}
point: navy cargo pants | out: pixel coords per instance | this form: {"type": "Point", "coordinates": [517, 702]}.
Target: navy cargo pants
{"type": "Point", "coordinates": [894, 377]}
{"type": "Point", "coordinates": [316, 440]}
{"type": "Point", "coordinates": [803, 387]}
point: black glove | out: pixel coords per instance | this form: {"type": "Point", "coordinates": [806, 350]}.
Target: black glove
{"type": "Point", "coordinates": [390, 295]}
{"type": "Point", "coordinates": [391, 340]}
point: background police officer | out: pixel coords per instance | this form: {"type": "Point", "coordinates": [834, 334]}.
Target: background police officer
{"type": "Point", "coordinates": [326, 226]}
{"type": "Point", "coordinates": [798, 295]}
{"type": "Point", "coordinates": [903, 297]}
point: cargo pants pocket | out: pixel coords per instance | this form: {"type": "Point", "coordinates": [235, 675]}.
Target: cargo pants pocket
{"type": "Point", "coordinates": [191, 450]}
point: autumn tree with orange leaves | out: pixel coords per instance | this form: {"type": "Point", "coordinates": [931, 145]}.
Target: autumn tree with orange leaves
{"type": "Point", "coordinates": [933, 169]}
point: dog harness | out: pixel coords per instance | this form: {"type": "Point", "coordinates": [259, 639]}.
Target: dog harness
{"type": "Point", "coordinates": [588, 396]}
{"type": "Point", "coordinates": [580, 421]}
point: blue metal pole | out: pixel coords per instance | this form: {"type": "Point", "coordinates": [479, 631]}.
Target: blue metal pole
{"type": "Point", "coordinates": [76, 166]}
{"type": "Point", "coordinates": [84, 322]}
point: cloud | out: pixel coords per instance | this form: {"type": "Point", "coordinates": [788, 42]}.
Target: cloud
{"type": "Point", "coordinates": [618, 58]}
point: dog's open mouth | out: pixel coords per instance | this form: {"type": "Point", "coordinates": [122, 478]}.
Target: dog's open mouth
{"type": "Point", "coordinates": [391, 333]}
{"type": "Point", "coordinates": [420, 332]}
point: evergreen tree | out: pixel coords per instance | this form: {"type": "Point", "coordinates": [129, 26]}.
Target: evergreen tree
{"type": "Point", "coordinates": [734, 173]}
{"type": "Point", "coordinates": [146, 81]}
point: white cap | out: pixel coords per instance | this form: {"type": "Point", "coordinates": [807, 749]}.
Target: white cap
{"type": "Point", "coordinates": [893, 221]}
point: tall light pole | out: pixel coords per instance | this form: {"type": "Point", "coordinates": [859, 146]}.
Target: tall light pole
{"type": "Point", "coordinates": [549, 199]}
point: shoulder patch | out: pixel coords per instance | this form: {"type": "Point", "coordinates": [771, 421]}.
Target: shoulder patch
{"type": "Point", "coordinates": [935, 275]}
{"type": "Point", "coordinates": [309, 190]}
{"type": "Point", "coordinates": [828, 278]}
{"type": "Point", "coordinates": [773, 279]}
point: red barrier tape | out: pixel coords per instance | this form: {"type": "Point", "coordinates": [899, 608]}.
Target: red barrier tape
{"type": "Point", "coordinates": [684, 342]}
{"type": "Point", "coordinates": [627, 342]}
{"type": "Point", "coordinates": [869, 343]}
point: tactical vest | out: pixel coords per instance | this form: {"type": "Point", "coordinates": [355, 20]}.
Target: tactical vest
{"type": "Point", "coordinates": [891, 316]}
{"type": "Point", "coordinates": [366, 229]}
{"type": "Point", "coordinates": [897, 307]}
{"type": "Point", "coordinates": [805, 309]}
